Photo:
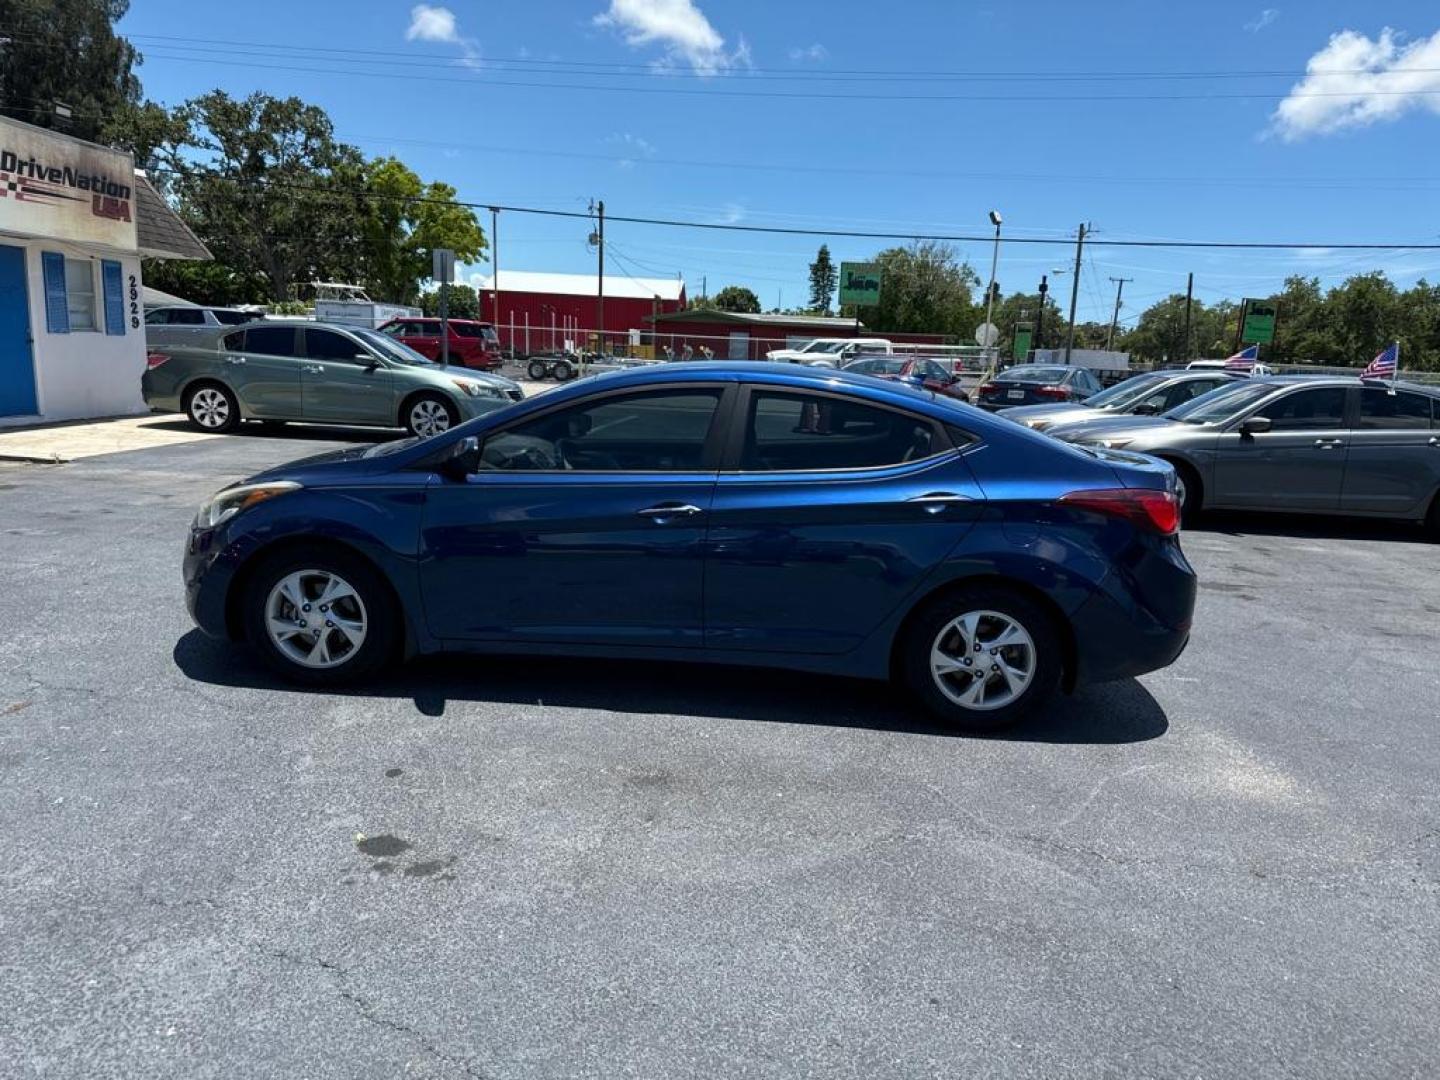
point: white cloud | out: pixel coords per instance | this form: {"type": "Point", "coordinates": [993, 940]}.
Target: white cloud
{"type": "Point", "coordinates": [730, 214]}
{"type": "Point", "coordinates": [429, 23]}
{"type": "Point", "coordinates": [679, 27]}
{"type": "Point", "coordinates": [816, 52]}
{"type": "Point", "coordinates": [432, 24]}
{"type": "Point", "coordinates": [1264, 19]}
{"type": "Point", "coordinates": [632, 147]}
{"type": "Point", "coordinates": [1355, 81]}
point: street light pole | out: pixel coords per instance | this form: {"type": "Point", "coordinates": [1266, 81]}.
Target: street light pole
{"type": "Point", "coordinates": [995, 219]}
{"type": "Point", "coordinates": [1040, 318]}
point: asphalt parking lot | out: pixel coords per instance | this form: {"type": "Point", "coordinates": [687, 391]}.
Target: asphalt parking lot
{"type": "Point", "coordinates": [557, 868]}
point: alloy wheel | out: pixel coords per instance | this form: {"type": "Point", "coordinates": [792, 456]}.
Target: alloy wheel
{"type": "Point", "coordinates": [983, 660]}
{"type": "Point", "coordinates": [429, 417]}
{"type": "Point", "coordinates": [315, 618]}
{"type": "Point", "coordinates": [210, 408]}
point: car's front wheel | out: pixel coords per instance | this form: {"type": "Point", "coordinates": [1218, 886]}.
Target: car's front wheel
{"type": "Point", "coordinates": [321, 617]}
{"type": "Point", "coordinates": [429, 414]}
{"type": "Point", "coordinates": [212, 407]}
{"type": "Point", "coordinates": [981, 658]}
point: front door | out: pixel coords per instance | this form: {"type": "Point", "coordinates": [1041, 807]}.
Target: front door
{"type": "Point", "coordinates": [1394, 462]}
{"type": "Point", "coordinates": [829, 515]}
{"type": "Point", "coordinates": [343, 383]}
{"type": "Point", "coordinates": [1299, 464]}
{"type": "Point", "coordinates": [585, 524]}
{"type": "Point", "coordinates": [17, 357]}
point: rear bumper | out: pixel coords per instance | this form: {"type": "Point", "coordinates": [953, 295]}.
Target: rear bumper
{"type": "Point", "coordinates": [1140, 618]}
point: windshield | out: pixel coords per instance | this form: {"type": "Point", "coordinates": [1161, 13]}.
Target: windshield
{"type": "Point", "coordinates": [391, 349]}
{"type": "Point", "coordinates": [1221, 403]}
{"type": "Point", "coordinates": [1122, 394]}
{"type": "Point", "coordinates": [1029, 374]}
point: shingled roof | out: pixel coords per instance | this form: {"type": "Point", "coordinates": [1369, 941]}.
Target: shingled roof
{"type": "Point", "coordinates": [162, 233]}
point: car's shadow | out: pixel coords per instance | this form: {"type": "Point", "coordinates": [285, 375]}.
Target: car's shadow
{"type": "Point", "coordinates": [293, 432]}
{"type": "Point", "coordinates": [1121, 712]}
{"type": "Point", "coordinates": [1307, 526]}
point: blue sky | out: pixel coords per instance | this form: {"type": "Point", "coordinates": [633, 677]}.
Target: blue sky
{"type": "Point", "coordinates": [1145, 119]}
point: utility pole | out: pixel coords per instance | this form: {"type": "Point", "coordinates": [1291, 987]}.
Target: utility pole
{"type": "Point", "coordinates": [996, 220]}
{"type": "Point", "coordinates": [1115, 318]}
{"type": "Point", "coordinates": [600, 297]}
{"type": "Point", "coordinates": [495, 274]}
{"type": "Point", "coordinates": [1075, 292]}
{"type": "Point", "coordinates": [1189, 298]}
{"type": "Point", "coordinates": [1040, 319]}
{"type": "Point", "coordinates": [704, 283]}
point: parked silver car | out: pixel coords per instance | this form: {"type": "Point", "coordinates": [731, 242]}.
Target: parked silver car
{"type": "Point", "coordinates": [1294, 443]}
{"type": "Point", "coordinates": [1142, 395]}
{"type": "Point", "coordinates": [321, 373]}
{"type": "Point", "coordinates": [186, 324]}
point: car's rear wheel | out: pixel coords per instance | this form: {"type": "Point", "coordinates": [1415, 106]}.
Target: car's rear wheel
{"type": "Point", "coordinates": [981, 657]}
{"type": "Point", "coordinates": [1188, 491]}
{"type": "Point", "coordinates": [537, 370]}
{"type": "Point", "coordinates": [321, 617]}
{"type": "Point", "coordinates": [429, 414]}
{"type": "Point", "coordinates": [212, 407]}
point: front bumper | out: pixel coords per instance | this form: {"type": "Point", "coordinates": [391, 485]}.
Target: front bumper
{"type": "Point", "coordinates": [208, 568]}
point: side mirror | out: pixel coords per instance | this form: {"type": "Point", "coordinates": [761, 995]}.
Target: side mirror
{"type": "Point", "coordinates": [1254, 425]}
{"type": "Point", "coordinates": [1146, 408]}
{"type": "Point", "coordinates": [462, 459]}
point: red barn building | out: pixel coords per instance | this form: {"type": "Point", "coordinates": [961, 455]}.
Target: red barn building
{"type": "Point", "coordinates": [540, 311]}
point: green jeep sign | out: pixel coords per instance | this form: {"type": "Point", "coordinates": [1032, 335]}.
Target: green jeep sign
{"type": "Point", "coordinates": [1259, 327]}
{"type": "Point", "coordinates": [860, 284]}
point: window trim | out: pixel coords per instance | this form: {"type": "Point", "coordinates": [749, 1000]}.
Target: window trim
{"type": "Point", "coordinates": [97, 321]}
{"type": "Point", "coordinates": [735, 443]}
{"type": "Point", "coordinates": [710, 455]}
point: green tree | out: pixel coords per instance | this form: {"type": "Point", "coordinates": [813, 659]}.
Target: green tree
{"type": "Point", "coordinates": [1363, 316]}
{"type": "Point", "coordinates": [736, 298]}
{"type": "Point", "coordinates": [66, 52]}
{"type": "Point", "coordinates": [1019, 308]}
{"type": "Point", "coordinates": [464, 302]}
{"type": "Point", "coordinates": [206, 282]}
{"type": "Point", "coordinates": [824, 277]}
{"type": "Point", "coordinates": [924, 288]}
{"type": "Point", "coordinates": [405, 220]}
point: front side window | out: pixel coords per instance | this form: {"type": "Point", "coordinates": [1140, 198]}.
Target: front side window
{"type": "Point", "coordinates": [328, 345]}
{"type": "Point", "coordinates": [80, 294]}
{"type": "Point", "coordinates": [659, 431]}
{"type": "Point", "coordinates": [1322, 407]}
{"type": "Point", "coordinates": [1382, 410]}
{"type": "Point", "coordinates": [811, 432]}
{"type": "Point", "coordinates": [271, 340]}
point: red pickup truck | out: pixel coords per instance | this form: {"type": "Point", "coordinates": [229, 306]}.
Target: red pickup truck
{"type": "Point", "coordinates": [472, 344]}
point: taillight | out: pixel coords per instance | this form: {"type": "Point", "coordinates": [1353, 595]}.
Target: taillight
{"type": "Point", "coordinates": [155, 359]}
{"type": "Point", "coordinates": [986, 388]}
{"type": "Point", "coordinates": [1158, 511]}
{"type": "Point", "coordinates": [1059, 393]}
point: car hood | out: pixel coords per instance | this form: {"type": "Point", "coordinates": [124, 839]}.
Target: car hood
{"type": "Point", "coordinates": [367, 458]}
{"type": "Point", "coordinates": [1104, 427]}
{"type": "Point", "coordinates": [1043, 417]}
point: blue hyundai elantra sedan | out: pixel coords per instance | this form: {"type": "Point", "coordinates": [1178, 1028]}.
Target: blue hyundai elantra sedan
{"type": "Point", "coordinates": [754, 514]}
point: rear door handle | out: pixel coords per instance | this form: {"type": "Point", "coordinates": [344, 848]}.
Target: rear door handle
{"type": "Point", "coordinates": [669, 510]}
{"type": "Point", "coordinates": [936, 501]}
{"type": "Point", "coordinates": [236, 360]}
{"type": "Point", "coordinates": [315, 369]}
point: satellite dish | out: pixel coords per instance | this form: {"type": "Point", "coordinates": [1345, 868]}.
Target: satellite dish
{"type": "Point", "coordinates": [986, 335]}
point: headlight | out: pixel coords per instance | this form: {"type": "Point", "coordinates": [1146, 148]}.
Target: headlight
{"type": "Point", "coordinates": [1036, 425]}
{"type": "Point", "coordinates": [224, 505]}
{"type": "Point", "coordinates": [475, 389]}
{"type": "Point", "coordinates": [1113, 444]}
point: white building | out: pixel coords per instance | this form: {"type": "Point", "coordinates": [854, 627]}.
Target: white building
{"type": "Point", "coordinates": [75, 220]}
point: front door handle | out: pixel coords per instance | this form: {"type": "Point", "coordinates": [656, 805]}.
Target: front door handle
{"type": "Point", "coordinates": [669, 510]}
{"type": "Point", "coordinates": [936, 501]}
{"type": "Point", "coordinates": [235, 360]}
{"type": "Point", "coordinates": [1435, 440]}
{"type": "Point", "coordinates": [315, 369]}
{"type": "Point", "coordinates": [1329, 444]}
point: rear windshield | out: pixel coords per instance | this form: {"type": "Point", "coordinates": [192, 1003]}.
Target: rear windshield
{"type": "Point", "coordinates": [1041, 375]}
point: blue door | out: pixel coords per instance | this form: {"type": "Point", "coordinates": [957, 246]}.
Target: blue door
{"type": "Point", "coordinates": [17, 355]}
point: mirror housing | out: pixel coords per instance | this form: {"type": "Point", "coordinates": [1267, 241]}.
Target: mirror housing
{"type": "Point", "coordinates": [1146, 408]}
{"type": "Point", "coordinates": [1254, 425]}
{"type": "Point", "coordinates": [462, 459]}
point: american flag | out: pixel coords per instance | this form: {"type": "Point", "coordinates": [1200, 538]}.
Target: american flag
{"type": "Point", "coordinates": [1384, 365]}
{"type": "Point", "coordinates": [1244, 360]}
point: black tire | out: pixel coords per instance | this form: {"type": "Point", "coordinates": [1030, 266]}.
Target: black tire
{"type": "Point", "coordinates": [1191, 492]}
{"type": "Point", "coordinates": [381, 616]}
{"type": "Point", "coordinates": [411, 421]}
{"type": "Point", "coordinates": [537, 370]}
{"type": "Point", "coordinates": [931, 626]}
{"type": "Point", "coordinates": [564, 371]}
{"type": "Point", "coordinates": [212, 407]}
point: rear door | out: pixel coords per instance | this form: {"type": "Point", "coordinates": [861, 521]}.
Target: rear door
{"type": "Point", "coordinates": [1299, 464]}
{"type": "Point", "coordinates": [829, 513]}
{"type": "Point", "coordinates": [344, 382]}
{"type": "Point", "coordinates": [266, 374]}
{"type": "Point", "coordinates": [1393, 465]}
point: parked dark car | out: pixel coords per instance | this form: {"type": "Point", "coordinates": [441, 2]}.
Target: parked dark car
{"type": "Point", "coordinates": [1036, 384]}
{"type": "Point", "coordinates": [918, 371]}
{"type": "Point", "coordinates": [1140, 395]}
{"type": "Point", "coordinates": [472, 344]}
{"type": "Point", "coordinates": [1310, 444]}
{"type": "Point", "coordinates": [725, 512]}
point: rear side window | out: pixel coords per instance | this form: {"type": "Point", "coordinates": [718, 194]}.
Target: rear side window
{"type": "Point", "coordinates": [1322, 407]}
{"type": "Point", "coordinates": [810, 432]}
{"type": "Point", "coordinates": [1382, 410]}
{"type": "Point", "coordinates": [271, 340]}
{"type": "Point", "coordinates": [235, 342]}
{"type": "Point", "coordinates": [157, 318]}
{"type": "Point", "coordinates": [231, 318]}
{"type": "Point", "coordinates": [470, 330]}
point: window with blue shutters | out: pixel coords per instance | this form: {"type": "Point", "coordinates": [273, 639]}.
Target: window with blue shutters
{"type": "Point", "coordinates": [57, 307]}
{"type": "Point", "coordinates": [114, 297]}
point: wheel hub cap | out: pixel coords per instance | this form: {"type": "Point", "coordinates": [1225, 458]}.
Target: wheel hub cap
{"type": "Point", "coordinates": [315, 618]}
{"type": "Point", "coordinates": [429, 418]}
{"type": "Point", "coordinates": [983, 660]}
